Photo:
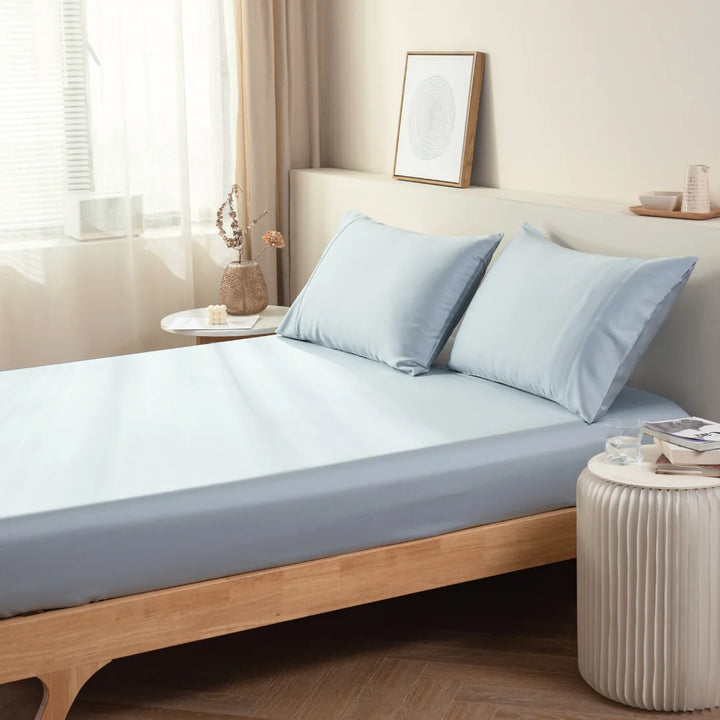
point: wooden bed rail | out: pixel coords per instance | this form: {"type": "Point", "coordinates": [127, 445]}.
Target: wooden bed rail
{"type": "Point", "coordinates": [64, 648]}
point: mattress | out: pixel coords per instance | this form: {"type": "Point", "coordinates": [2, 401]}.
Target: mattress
{"type": "Point", "coordinates": [139, 472]}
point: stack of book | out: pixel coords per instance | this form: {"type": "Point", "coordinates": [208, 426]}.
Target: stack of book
{"type": "Point", "coordinates": [688, 446]}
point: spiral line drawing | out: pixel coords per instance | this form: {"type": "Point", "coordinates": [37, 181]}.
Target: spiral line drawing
{"type": "Point", "coordinates": [432, 118]}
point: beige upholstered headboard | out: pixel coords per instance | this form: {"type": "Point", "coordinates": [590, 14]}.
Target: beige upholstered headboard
{"type": "Point", "coordinates": [682, 363]}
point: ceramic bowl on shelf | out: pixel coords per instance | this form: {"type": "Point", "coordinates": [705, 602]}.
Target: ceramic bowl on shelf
{"type": "Point", "coordinates": [661, 200]}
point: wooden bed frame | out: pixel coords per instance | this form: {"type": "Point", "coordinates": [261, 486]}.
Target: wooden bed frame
{"type": "Point", "coordinates": [64, 648]}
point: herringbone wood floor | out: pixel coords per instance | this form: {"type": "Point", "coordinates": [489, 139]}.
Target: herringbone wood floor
{"type": "Point", "coordinates": [496, 649]}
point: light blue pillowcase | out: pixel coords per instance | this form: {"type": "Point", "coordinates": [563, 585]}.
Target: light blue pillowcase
{"type": "Point", "coordinates": [388, 294]}
{"type": "Point", "coordinates": [566, 325]}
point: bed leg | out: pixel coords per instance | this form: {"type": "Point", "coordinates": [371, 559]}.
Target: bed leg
{"type": "Point", "coordinates": [60, 689]}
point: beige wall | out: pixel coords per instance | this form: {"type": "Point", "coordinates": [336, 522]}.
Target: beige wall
{"type": "Point", "coordinates": [584, 98]}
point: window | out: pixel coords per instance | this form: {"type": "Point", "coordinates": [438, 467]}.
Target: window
{"type": "Point", "coordinates": [112, 107]}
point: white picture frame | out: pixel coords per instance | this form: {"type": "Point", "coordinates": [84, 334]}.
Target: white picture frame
{"type": "Point", "coordinates": [438, 117]}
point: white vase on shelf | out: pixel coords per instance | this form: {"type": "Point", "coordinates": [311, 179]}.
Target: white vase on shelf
{"type": "Point", "coordinates": [696, 195]}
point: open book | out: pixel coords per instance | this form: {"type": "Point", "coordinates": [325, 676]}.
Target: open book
{"type": "Point", "coordinates": [689, 432]}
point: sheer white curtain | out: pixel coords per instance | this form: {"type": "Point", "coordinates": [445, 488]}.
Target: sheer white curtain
{"type": "Point", "coordinates": [117, 137]}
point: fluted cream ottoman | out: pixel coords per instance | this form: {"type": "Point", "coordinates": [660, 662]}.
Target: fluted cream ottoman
{"type": "Point", "coordinates": [648, 562]}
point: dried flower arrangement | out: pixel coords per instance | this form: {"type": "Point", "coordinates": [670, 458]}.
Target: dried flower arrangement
{"type": "Point", "coordinates": [272, 238]}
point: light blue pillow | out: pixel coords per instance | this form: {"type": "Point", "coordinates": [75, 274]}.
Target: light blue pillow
{"type": "Point", "coordinates": [566, 325]}
{"type": "Point", "coordinates": [388, 294]}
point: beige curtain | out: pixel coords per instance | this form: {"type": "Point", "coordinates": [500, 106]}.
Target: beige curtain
{"type": "Point", "coordinates": [278, 118]}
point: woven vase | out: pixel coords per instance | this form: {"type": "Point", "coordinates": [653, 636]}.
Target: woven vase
{"type": "Point", "coordinates": [242, 288]}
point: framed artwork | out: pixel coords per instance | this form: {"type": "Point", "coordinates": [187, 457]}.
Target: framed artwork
{"type": "Point", "coordinates": [438, 117]}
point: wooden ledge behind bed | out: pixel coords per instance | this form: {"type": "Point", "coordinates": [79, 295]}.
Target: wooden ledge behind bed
{"type": "Point", "coordinates": [65, 647]}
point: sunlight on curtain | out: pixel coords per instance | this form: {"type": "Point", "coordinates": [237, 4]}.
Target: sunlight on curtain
{"type": "Point", "coordinates": [117, 137]}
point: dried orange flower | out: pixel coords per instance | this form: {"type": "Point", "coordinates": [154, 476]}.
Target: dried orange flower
{"type": "Point", "coordinates": [274, 238]}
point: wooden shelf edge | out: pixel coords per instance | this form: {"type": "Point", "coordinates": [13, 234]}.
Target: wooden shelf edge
{"type": "Point", "coordinates": [675, 214]}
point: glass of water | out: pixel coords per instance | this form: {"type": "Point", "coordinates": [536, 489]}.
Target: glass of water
{"type": "Point", "coordinates": [623, 441]}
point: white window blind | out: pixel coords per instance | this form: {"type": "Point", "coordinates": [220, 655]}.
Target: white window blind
{"type": "Point", "coordinates": [32, 122]}
{"type": "Point", "coordinates": [114, 97]}
{"type": "Point", "coordinates": [78, 168]}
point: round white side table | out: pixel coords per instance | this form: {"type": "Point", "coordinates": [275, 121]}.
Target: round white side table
{"type": "Point", "coordinates": [648, 562]}
{"type": "Point", "coordinates": [268, 322]}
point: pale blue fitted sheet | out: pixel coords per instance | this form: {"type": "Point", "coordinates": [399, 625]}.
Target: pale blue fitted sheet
{"type": "Point", "coordinates": [145, 471]}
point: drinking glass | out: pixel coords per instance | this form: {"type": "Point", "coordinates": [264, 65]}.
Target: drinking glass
{"type": "Point", "coordinates": [623, 441]}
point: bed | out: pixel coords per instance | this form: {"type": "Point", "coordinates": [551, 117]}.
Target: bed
{"type": "Point", "coordinates": [411, 483]}
{"type": "Point", "coordinates": [429, 495]}
{"type": "Point", "coordinates": [342, 454]}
